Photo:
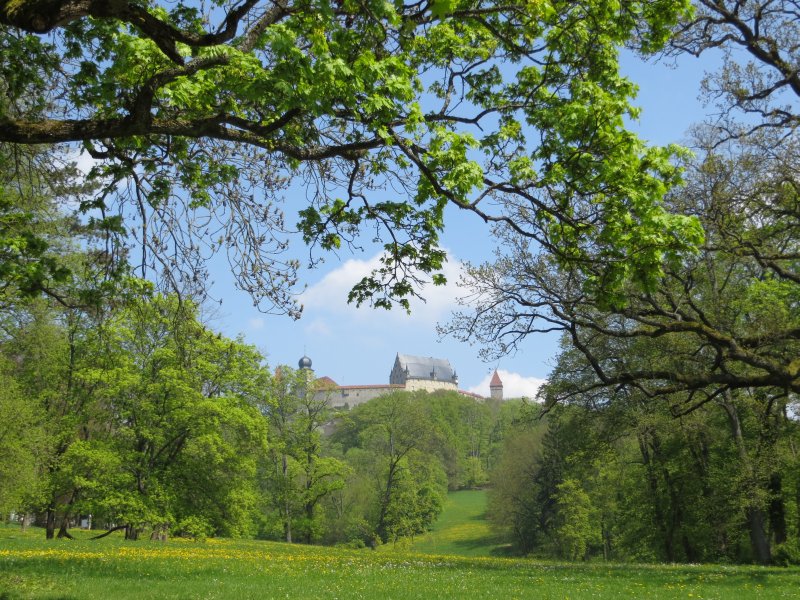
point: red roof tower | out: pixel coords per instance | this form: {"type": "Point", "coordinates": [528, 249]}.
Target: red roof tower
{"type": "Point", "coordinates": [496, 387]}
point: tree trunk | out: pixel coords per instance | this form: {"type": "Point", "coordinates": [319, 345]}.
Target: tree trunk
{"type": "Point", "coordinates": [310, 519]}
{"type": "Point", "coordinates": [797, 503]}
{"type": "Point", "coordinates": [777, 512]}
{"type": "Point", "coordinates": [688, 549]}
{"type": "Point", "coordinates": [287, 509]}
{"type": "Point", "coordinates": [63, 530]}
{"type": "Point", "coordinates": [755, 515]}
{"type": "Point", "coordinates": [50, 526]}
{"type": "Point", "coordinates": [382, 529]}
{"type": "Point", "coordinates": [287, 524]}
{"type": "Point", "coordinates": [310, 503]}
{"type": "Point", "coordinates": [658, 512]}
{"type": "Point", "coordinates": [160, 533]}
{"type": "Point", "coordinates": [109, 532]}
{"type": "Point", "coordinates": [675, 521]}
{"type": "Point", "coordinates": [758, 535]}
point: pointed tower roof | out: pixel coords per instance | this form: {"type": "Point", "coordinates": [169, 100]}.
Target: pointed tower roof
{"type": "Point", "coordinates": [495, 382]}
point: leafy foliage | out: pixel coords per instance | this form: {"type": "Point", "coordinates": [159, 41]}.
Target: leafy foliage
{"type": "Point", "coordinates": [697, 371]}
{"type": "Point", "coordinates": [202, 119]}
{"type": "Point", "coordinates": [21, 439]}
{"type": "Point", "coordinates": [296, 473]}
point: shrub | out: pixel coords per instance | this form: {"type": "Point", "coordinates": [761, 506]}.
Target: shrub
{"type": "Point", "coordinates": [787, 554]}
{"type": "Point", "coordinates": [195, 527]}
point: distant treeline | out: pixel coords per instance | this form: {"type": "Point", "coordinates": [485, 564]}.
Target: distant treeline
{"type": "Point", "coordinates": [149, 421]}
{"type": "Point", "coordinates": [145, 419]}
{"type": "Point", "coordinates": [629, 485]}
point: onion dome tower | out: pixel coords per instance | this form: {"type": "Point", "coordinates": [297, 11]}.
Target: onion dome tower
{"type": "Point", "coordinates": [304, 363]}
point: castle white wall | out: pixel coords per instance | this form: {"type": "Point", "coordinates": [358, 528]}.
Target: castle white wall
{"type": "Point", "coordinates": [350, 396]}
{"type": "Point", "coordinates": [410, 377]}
{"type": "Point", "coordinates": [429, 385]}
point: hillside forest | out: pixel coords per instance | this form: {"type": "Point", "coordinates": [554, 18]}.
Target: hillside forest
{"type": "Point", "coordinates": [149, 421]}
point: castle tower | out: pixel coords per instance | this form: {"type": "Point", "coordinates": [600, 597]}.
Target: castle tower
{"type": "Point", "coordinates": [496, 387]}
{"type": "Point", "coordinates": [304, 367]}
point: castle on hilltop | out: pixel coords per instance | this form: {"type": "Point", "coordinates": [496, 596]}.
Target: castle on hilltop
{"type": "Point", "coordinates": [409, 373]}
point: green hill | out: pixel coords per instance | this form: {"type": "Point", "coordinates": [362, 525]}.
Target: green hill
{"type": "Point", "coordinates": [462, 529]}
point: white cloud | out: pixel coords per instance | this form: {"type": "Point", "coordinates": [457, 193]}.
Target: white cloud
{"type": "Point", "coordinates": [256, 323]}
{"type": "Point", "coordinates": [317, 327]}
{"type": "Point", "coordinates": [84, 161]}
{"type": "Point", "coordinates": [514, 385]}
{"type": "Point", "coordinates": [330, 294]}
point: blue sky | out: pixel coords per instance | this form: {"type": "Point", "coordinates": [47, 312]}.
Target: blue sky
{"type": "Point", "coordinates": [358, 346]}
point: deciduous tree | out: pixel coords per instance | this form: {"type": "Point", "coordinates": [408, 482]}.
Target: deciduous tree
{"type": "Point", "coordinates": [176, 421]}
{"type": "Point", "coordinates": [202, 117]}
{"type": "Point", "coordinates": [298, 474]}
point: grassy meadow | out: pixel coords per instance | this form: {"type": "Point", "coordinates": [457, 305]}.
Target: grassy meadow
{"type": "Point", "coordinates": [462, 529]}
{"type": "Point", "coordinates": [453, 561]}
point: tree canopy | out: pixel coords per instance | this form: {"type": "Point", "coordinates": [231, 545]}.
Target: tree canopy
{"type": "Point", "coordinates": [699, 370]}
{"type": "Point", "coordinates": [725, 316]}
{"type": "Point", "coordinates": [202, 117]}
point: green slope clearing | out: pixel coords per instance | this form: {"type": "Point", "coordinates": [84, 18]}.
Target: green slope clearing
{"type": "Point", "coordinates": [462, 529]}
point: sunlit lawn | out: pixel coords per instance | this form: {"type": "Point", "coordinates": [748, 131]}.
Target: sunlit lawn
{"type": "Point", "coordinates": [462, 529]}
{"type": "Point", "coordinates": [31, 567]}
